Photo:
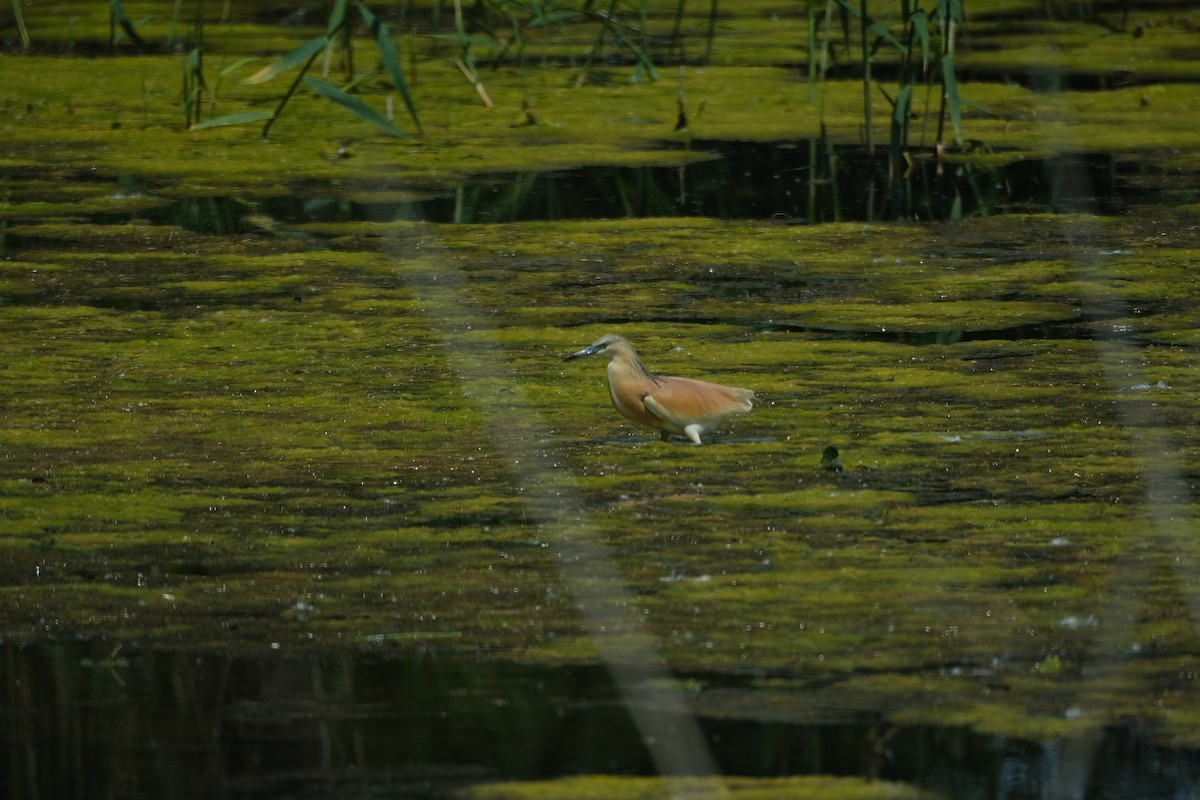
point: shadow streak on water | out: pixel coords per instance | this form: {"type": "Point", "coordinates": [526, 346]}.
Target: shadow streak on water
{"type": "Point", "coordinates": [81, 722]}
{"type": "Point", "coordinates": [802, 182]}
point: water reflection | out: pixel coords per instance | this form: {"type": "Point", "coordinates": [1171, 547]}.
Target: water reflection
{"type": "Point", "coordinates": [82, 720]}
{"type": "Point", "coordinates": [792, 183]}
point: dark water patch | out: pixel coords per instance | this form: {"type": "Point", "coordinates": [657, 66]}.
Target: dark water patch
{"type": "Point", "coordinates": [791, 183]}
{"type": "Point", "coordinates": [87, 719]}
{"type": "Point", "coordinates": [1090, 329]}
{"type": "Point", "coordinates": [810, 182]}
{"type": "Point", "coordinates": [1082, 328]}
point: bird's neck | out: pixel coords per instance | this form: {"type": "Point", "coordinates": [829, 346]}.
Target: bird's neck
{"type": "Point", "coordinates": [628, 361]}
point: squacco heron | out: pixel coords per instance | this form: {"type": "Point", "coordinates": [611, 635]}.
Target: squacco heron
{"type": "Point", "coordinates": [673, 405]}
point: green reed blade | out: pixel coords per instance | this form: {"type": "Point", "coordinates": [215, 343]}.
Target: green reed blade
{"type": "Point", "coordinates": [552, 18]}
{"type": "Point", "coordinates": [900, 108]}
{"type": "Point", "coordinates": [920, 25]}
{"type": "Point", "coordinates": [20, 20]}
{"type": "Point", "coordinates": [194, 86]}
{"type": "Point", "coordinates": [810, 43]}
{"type": "Point", "coordinates": [186, 97]}
{"type": "Point", "coordinates": [241, 118]}
{"type": "Point", "coordinates": [337, 18]}
{"type": "Point", "coordinates": [302, 54]}
{"type": "Point", "coordinates": [711, 33]}
{"type": "Point", "coordinates": [950, 80]}
{"type": "Point", "coordinates": [598, 44]}
{"type": "Point", "coordinates": [363, 78]}
{"type": "Point", "coordinates": [868, 126]}
{"type": "Point", "coordinates": [236, 65]}
{"type": "Point", "coordinates": [118, 14]}
{"type": "Point", "coordinates": [644, 60]}
{"type": "Point", "coordinates": [977, 107]}
{"type": "Point", "coordinates": [844, 18]}
{"type": "Point", "coordinates": [283, 101]}
{"type": "Point", "coordinates": [870, 25]}
{"type": "Point", "coordinates": [354, 106]}
{"type": "Point", "coordinates": [461, 29]}
{"type": "Point", "coordinates": [675, 40]}
{"type": "Point", "coordinates": [951, 8]}
{"type": "Point", "coordinates": [391, 61]}
{"type": "Point", "coordinates": [175, 11]}
{"type": "Point", "coordinates": [195, 67]}
{"type": "Point", "coordinates": [469, 42]}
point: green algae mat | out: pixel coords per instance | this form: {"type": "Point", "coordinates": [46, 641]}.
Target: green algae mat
{"type": "Point", "coordinates": [607, 788]}
{"type": "Point", "coordinates": [368, 438]}
{"type": "Point", "coordinates": [329, 434]}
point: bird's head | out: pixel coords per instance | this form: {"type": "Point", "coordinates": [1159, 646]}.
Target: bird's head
{"type": "Point", "coordinates": [605, 344]}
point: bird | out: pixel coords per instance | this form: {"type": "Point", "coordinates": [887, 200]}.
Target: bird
{"type": "Point", "coordinates": [831, 459]}
{"type": "Point", "coordinates": [682, 406]}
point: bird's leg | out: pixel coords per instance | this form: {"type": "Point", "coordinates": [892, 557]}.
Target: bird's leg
{"type": "Point", "coordinates": [666, 437]}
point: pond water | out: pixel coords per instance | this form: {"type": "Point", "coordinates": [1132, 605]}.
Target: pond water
{"type": "Point", "coordinates": [789, 183]}
{"type": "Point", "coordinates": [196, 726]}
{"type": "Point", "coordinates": [221, 484]}
{"type": "Point", "coordinates": [299, 497]}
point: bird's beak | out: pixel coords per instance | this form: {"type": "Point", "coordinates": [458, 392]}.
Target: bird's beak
{"type": "Point", "coordinates": [591, 349]}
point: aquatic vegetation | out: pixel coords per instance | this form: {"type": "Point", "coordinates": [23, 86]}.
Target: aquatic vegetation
{"type": "Point", "coordinates": [304, 56]}
{"type": "Point", "coordinates": [132, 132]}
{"type": "Point", "coordinates": [925, 37]}
{"type": "Point", "coordinates": [595, 787]}
{"type": "Point", "coordinates": [277, 415]}
{"type": "Point", "coordinates": [353, 433]}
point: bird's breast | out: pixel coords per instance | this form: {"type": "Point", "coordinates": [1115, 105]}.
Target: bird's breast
{"type": "Point", "coordinates": [628, 391]}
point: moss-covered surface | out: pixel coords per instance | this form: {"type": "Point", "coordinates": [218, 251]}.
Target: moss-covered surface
{"type": "Point", "coordinates": [603, 787]}
{"type": "Point", "coordinates": [747, 90]}
{"type": "Point", "coordinates": [354, 440]}
{"type": "Point", "coordinates": [362, 435]}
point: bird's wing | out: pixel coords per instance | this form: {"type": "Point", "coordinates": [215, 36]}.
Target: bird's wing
{"type": "Point", "coordinates": [660, 411]}
{"type": "Point", "coordinates": [684, 401]}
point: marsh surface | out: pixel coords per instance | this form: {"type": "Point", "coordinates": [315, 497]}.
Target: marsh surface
{"type": "Point", "coordinates": [298, 497]}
